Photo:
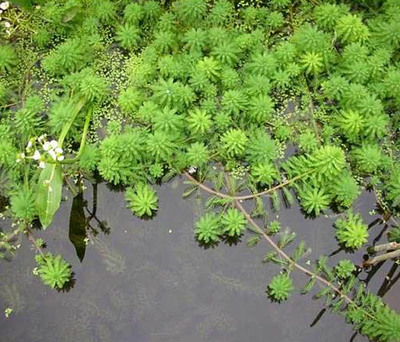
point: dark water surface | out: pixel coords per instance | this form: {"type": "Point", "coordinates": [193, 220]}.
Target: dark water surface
{"type": "Point", "coordinates": [149, 281]}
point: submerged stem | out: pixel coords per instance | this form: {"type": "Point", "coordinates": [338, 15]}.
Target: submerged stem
{"type": "Point", "coordinates": [271, 242]}
{"type": "Point", "coordinates": [33, 240]}
{"type": "Point", "coordinates": [391, 255]}
{"type": "Point", "coordinates": [244, 197]}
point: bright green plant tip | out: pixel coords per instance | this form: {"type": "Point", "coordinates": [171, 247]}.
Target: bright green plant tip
{"type": "Point", "coordinates": [142, 200]}
{"type": "Point", "coordinates": [208, 228]}
{"type": "Point", "coordinates": [53, 270]}
{"type": "Point", "coordinates": [233, 222]}
{"type": "Point", "coordinates": [351, 231]}
{"type": "Point", "coordinates": [280, 287]}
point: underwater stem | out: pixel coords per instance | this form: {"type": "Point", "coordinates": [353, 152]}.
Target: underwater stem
{"type": "Point", "coordinates": [243, 197]}
{"type": "Point", "coordinates": [391, 255]}
{"type": "Point", "coordinates": [274, 245]}
{"type": "Point", "coordinates": [32, 239]}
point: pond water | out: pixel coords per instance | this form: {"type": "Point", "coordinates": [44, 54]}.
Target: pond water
{"type": "Point", "coordinates": [149, 281]}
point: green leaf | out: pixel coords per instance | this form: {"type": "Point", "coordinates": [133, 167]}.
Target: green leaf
{"type": "Point", "coordinates": [252, 241]}
{"type": "Point", "coordinates": [78, 106]}
{"type": "Point", "coordinates": [275, 200]}
{"type": "Point", "coordinates": [300, 251]}
{"type": "Point", "coordinates": [48, 193]}
{"type": "Point", "coordinates": [286, 239]}
{"type": "Point", "coordinates": [77, 225]}
{"type": "Point", "coordinates": [189, 191]}
{"type": "Point", "coordinates": [71, 14]}
{"type": "Point", "coordinates": [338, 305]}
{"type": "Point", "coordinates": [310, 285]}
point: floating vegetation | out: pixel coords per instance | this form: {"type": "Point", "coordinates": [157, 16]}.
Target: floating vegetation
{"type": "Point", "coordinates": [250, 102]}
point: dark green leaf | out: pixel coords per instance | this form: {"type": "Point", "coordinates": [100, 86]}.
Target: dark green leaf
{"type": "Point", "coordinates": [310, 285]}
{"type": "Point", "coordinates": [286, 239]}
{"type": "Point", "coordinates": [189, 191]}
{"type": "Point", "coordinates": [300, 251]}
{"type": "Point", "coordinates": [77, 226]}
{"type": "Point", "coordinates": [251, 242]}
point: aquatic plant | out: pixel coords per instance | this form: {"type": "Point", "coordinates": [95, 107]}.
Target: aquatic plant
{"type": "Point", "coordinates": [327, 15]}
{"type": "Point", "coordinates": [345, 189]}
{"type": "Point", "coordinates": [313, 199]}
{"type": "Point", "coordinates": [274, 227]}
{"type": "Point", "coordinates": [394, 234]}
{"type": "Point", "coordinates": [8, 58]}
{"type": "Point", "coordinates": [351, 124]}
{"type": "Point", "coordinates": [53, 270]}
{"type": "Point", "coordinates": [233, 222]}
{"type": "Point", "coordinates": [234, 142]}
{"type": "Point", "coordinates": [199, 121]}
{"type": "Point", "coordinates": [350, 28]}
{"type": "Point", "coordinates": [368, 158]}
{"type": "Point", "coordinates": [68, 57]}
{"type": "Point", "coordinates": [344, 268]}
{"type": "Point", "coordinates": [351, 231]}
{"type": "Point", "coordinates": [262, 101]}
{"type": "Point", "coordinates": [190, 10]}
{"type": "Point", "coordinates": [22, 204]}
{"type": "Point", "coordinates": [127, 36]}
{"type": "Point", "coordinates": [312, 63]}
{"type": "Point", "coordinates": [261, 148]}
{"type": "Point", "coordinates": [142, 200]}
{"type": "Point", "coordinates": [198, 154]}
{"type": "Point", "coordinates": [130, 100]}
{"type": "Point", "coordinates": [265, 173]}
{"type": "Point", "coordinates": [280, 287]}
{"type": "Point", "coordinates": [208, 228]}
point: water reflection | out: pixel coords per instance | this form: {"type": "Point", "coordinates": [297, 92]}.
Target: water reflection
{"type": "Point", "coordinates": [150, 281]}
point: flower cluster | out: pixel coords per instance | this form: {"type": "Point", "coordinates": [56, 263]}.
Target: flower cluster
{"type": "Point", "coordinates": [40, 150]}
{"type": "Point", "coordinates": [4, 6]}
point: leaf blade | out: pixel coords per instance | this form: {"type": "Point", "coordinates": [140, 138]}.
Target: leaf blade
{"type": "Point", "coordinates": [48, 193]}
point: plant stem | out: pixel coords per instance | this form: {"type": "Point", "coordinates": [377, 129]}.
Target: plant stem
{"type": "Point", "coordinates": [391, 255]}
{"type": "Point", "coordinates": [32, 239]}
{"type": "Point", "coordinates": [257, 228]}
{"type": "Point", "coordinates": [244, 197]}
{"type": "Point", "coordinates": [384, 247]}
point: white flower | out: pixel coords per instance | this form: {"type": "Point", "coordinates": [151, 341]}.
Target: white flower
{"type": "Point", "coordinates": [7, 24]}
{"type": "Point", "coordinates": [20, 156]}
{"type": "Point", "coordinates": [4, 5]}
{"type": "Point", "coordinates": [60, 158]}
{"type": "Point", "coordinates": [42, 164]}
{"type": "Point", "coordinates": [46, 146]}
{"type": "Point", "coordinates": [36, 155]}
{"type": "Point", "coordinates": [53, 144]}
{"type": "Point", "coordinates": [192, 169]}
{"type": "Point", "coordinates": [29, 145]}
{"type": "Point", "coordinates": [42, 137]}
{"type": "Point", "coordinates": [52, 154]}
{"type": "Point", "coordinates": [59, 150]}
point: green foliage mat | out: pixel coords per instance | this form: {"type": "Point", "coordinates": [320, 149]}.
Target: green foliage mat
{"type": "Point", "coordinates": [134, 93]}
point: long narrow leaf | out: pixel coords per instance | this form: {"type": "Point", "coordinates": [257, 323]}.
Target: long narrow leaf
{"type": "Point", "coordinates": [48, 193]}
